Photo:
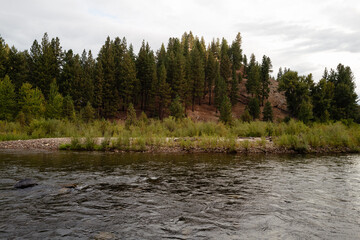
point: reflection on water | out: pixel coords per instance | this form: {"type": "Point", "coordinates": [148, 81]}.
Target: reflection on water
{"type": "Point", "coordinates": [169, 196]}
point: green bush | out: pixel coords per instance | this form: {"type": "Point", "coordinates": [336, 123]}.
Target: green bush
{"type": "Point", "coordinates": [297, 143]}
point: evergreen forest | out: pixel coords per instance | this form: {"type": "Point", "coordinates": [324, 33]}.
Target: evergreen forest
{"type": "Point", "coordinates": [49, 82]}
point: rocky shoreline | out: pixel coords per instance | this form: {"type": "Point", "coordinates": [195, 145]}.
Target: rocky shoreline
{"type": "Point", "coordinates": [41, 143]}
{"type": "Point", "coordinates": [254, 145]}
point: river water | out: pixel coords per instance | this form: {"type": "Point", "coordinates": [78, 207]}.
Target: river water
{"type": "Point", "coordinates": [174, 196]}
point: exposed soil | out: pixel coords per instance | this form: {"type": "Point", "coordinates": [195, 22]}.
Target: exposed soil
{"type": "Point", "coordinates": [206, 112]}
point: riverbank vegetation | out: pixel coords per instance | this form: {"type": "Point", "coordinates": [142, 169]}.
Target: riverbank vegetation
{"type": "Point", "coordinates": [144, 134]}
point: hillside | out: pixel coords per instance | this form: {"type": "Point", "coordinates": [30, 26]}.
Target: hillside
{"type": "Point", "coordinates": [204, 112]}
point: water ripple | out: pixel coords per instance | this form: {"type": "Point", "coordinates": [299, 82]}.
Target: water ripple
{"type": "Point", "coordinates": [204, 196]}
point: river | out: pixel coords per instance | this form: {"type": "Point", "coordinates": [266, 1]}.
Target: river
{"type": "Point", "coordinates": [177, 196]}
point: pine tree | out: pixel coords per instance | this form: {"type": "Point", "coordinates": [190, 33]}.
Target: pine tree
{"type": "Point", "coordinates": [253, 82]}
{"type": "Point", "coordinates": [118, 49]}
{"type": "Point", "coordinates": [236, 52]}
{"type": "Point", "coordinates": [305, 111]}
{"type": "Point", "coordinates": [87, 76]}
{"type": "Point", "coordinates": [225, 111]}
{"type": "Point", "coordinates": [163, 92]}
{"type": "Point", "coordinates": [197, 76]}
{"type": "Point", "coordinates": [322, 95]}
{"type": "Point", "coordinates": [225, 63]}
{"type": "Point", "coordinates": [175, 65]}
{"type": "Point", "coordinates": [344, 100]}
{"type": "Point", "coordinates": [220, 91]}
{"type": "Point", "coordinates": [17, 67]}
{"type": "Point", "coordinates": [254, 107]}
{"type": "Point", "coordinates": [146, 73]}
{"type": "Point", "coordinates": [56, 57]}
{"type": "Point", "coordinates": [215, 48]}
{"type": "Point", "coordinates": [34, 63]}
{"type": "Point", "coordinates": [3, 57]}
{"type": "Point", "coordinates": [186, 85]}
{"type": "Point", "coordinates": [234, 88]}
{"type": "Point", "coordinates": [68, 108]}
{"type": "Point", "coordinates": [130, 83]}
{"type": "Point", "coordinates": [268, 112]}
{"type": "Point", "coordinates": [45, 63]}
{"type": "Point", "coordinates": [131, 52]}
{"type": "Point", "coordinates": [7, 99]}
{"type": "Point", "coordinates": [224, 48]}
{"type": "Point", "coordinates": [245, 63]}
{"type": "Point", "coordinates": [240, 78]}
{"type": "Point", "coordinates": [171, 66]}
{"type": "Point", "coordinates": [110, 98]}
{"type": "Point", "coordinates": [265, 79]}
{"type": "Point", "coordinates": [45, 77]}
{"type": "Point", "coordinates": [161, 57]}
{"type": "Point", "coordinates": [71, 79]}
{"type": "Point", "coordinates": [211, 71]}
{"type": "Point", "coordinates": [225, 68]}
{"type": "Point", "coordinates": [98, 89]}
{"type": "Point", "coordinates": [180, 83]}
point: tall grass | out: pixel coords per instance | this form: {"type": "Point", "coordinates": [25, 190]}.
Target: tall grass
{"type": "Point", "coordinates": [186, 134]}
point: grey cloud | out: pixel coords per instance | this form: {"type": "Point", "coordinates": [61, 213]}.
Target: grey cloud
{"type": "Point", "coordinates": [309, 39]}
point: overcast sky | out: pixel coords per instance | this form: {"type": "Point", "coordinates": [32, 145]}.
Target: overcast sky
{"type": "Point", "coordinates": [304, 35]}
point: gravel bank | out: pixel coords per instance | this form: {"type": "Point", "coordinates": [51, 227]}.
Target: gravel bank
{"type": "Point", "coordinates": [42, 143]}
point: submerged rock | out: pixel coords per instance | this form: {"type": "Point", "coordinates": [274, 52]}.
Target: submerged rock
{"type": "Point", "coordinates": [25, 183]}
{"type": "Point", "coordinates": [71, 185]}
{"type": "Point", "coordinates": [104, 236]}
{"type": "Point", "coordinates": [64, 190]}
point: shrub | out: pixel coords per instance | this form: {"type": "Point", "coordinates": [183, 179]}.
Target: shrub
{"type": "Point", "coordinates": [246, 117]}
{"type": "Point", "coordinates": [87, 113]}
{"type": "Point", "coordinates": [89, 144]}
{"type": "Point", "coordinates": [130, 116]}
{"type": "Point", "coordinates": [177, 109]}
{"type": "Point", "coordinates": [75, 144]}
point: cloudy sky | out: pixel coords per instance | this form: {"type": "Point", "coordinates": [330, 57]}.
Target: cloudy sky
{"type": "Point", "coordinates": [304, 35]}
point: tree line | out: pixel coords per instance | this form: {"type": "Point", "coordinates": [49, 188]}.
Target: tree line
{"type": "Point", "coordinates": [332, 98]}
{"type": "Point", "coordinates": [47, 81]}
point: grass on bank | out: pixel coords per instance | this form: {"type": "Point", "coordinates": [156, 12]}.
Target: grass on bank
{"type": "Point", "coordinates": [187, 134]}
